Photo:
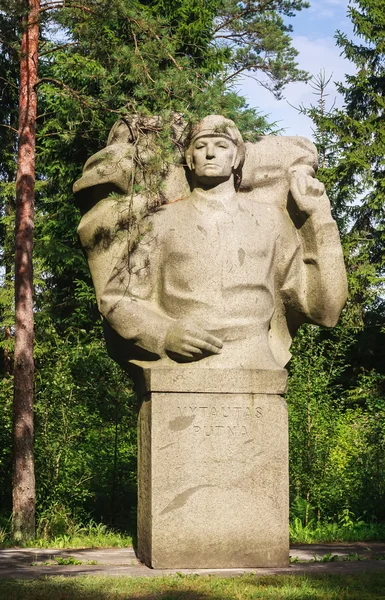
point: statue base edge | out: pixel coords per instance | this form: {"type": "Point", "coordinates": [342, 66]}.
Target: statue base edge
{"type": "Point", "coordinates": [209, 380]}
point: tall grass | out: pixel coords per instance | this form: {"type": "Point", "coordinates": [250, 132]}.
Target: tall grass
{"type": "Point", "coordinates": [57, 529]}
{"type": "Point", "coordinates": [88, 535]}
{"type": "Point", "coordinates": [317, 532]}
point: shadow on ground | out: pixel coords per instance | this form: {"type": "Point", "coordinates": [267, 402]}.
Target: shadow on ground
{"type": "Point", "coordinates": [366, 586]}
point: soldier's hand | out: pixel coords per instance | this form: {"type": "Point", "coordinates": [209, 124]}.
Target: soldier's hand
{"type": "Point", "coordinates": [308, 193]}
{"type": "Point", "coordinates": [190, 341]}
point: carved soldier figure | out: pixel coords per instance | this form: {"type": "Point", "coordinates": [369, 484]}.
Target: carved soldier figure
{"type": "Point", "coordinates": [204, 295]}
{"type": "Point", "coordinates": [221, 280]}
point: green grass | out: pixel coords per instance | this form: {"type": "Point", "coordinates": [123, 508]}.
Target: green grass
{"type": "Point", "coordinates": [109, 539]}
{"type": "Point", "coordinates": [318, 533]}
{"type": "Point", "coordinates": [194, 587]}
{"type": "Point", "coordinates": [89, 535]}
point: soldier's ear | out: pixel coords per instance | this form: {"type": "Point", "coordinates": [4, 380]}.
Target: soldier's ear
{"type": "Point", "coordinates": [239, 158]}
{"type": "Point", "coordinates": [236, 161]}
{"type": "Point", "coordinates": [189, 160]}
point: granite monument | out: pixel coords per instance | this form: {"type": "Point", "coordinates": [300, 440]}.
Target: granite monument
{"type": "Point", "coordinates": [201, 294]}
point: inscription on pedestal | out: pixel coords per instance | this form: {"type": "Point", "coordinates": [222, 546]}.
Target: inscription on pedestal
{"type": "Point", "coordinates": [226, 420]}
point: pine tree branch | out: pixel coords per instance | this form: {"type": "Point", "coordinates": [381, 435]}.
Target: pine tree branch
{"type": "Point", "coordinates": [231, 36]}
{"type": "Point", "coordinates": [64, 4]}
{"type": "Point", "coordinates": [170, 55]}
{"type": "Point", "coordinates": [138, 52]}
{"type": "Point", "coordinates": [246, 12]}
{"type": "Point", "coordinates": [157, 37]}
{"type": "Point", "coordinates": [60, 47]}
{"type": "Point", "coordinates": [264, 69]}
{"type": "Point", "coordinates": [75, 94]}
{"type": "Point", "coordinates": [9, 82]}
{"type": "Point", "coordinates": [8, 127]}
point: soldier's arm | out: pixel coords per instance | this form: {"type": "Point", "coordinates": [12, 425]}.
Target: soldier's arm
{"type": "Point", "coordinates": [318, 275]}
{"type": "Point", "coordinates": [130, 303]}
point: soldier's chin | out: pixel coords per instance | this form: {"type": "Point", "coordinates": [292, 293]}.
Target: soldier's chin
{"type": "Point", "coordinates": [212, 179]}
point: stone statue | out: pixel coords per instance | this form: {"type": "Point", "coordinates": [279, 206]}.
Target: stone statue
{"type": "Point", "coordinates": [201, 295]}
{"type": "Point", "coordinates": [221, 280]}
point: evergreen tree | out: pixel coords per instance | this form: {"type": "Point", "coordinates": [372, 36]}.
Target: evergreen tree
{"type": "Point", "coordinates": [355, 174]}
{"type": "Point", "coordinates": [345, 469]}
{"type": "Point", "coordinates": [96, 65]}
{"type": "Point", "coordinates": [257, 37]}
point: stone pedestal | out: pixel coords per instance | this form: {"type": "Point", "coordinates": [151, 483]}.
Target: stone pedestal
{"type": "Point", "coordinates": [213, 469]}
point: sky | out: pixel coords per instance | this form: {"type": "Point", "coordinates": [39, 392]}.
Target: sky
{"type": "Point", "coordinates": [313, 36]}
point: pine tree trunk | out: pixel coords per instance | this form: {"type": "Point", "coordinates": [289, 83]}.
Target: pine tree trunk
{"type": "Point", "coordinates": [24, 498]}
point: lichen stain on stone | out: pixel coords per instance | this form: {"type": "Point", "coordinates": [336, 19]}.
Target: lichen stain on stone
{"type": "Point", "coordinates": [181, 499]}
{"type": "Point", "coordinates": [180, 423]}
{"type": "Point", "coordinates": [202, 230]}
{"type": "Point", "coordinates": [241, 256]}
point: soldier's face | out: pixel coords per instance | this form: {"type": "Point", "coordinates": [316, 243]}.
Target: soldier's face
{"type": "Point", "coordinates": [213, 157]}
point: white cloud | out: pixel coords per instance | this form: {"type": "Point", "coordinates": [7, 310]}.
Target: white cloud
{"type": "Point", "coordinates": [327, 8]}
{"type": "Point", "coordinates": [314, 56]}
{"type": "Point", "coordinates": [321, 15]}
{"type": "Point", "coordinates": [339, 3]}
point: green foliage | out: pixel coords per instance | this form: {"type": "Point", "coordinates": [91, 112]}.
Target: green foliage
{"type": "Point", "coordinates": [337, 462]}
{"type": "Point", "coordinates": [181, 57]}
{"type": "Point", "coordinates": [85, 430]}
{"type": "Point", "coordinates": [337, 434]}
{"type": "Point", "coordinates": [95, 66]}
{"type": "Point", "coordinates": [317, 532]}
{"type": "Point", "coordinates": [257, 38]}
{"type": "Point", "coordinates": [8, 118]}
{"type": "Point", "coordinates": [6, 388]}
{"type": "Point", "coordinates": [56, 528]}
{"type": "Point", "coordinates": [355, 169]}
{"type": "Point", "coordinates": [76, 534]}
{"type": "Point", "coordinates": [314, 402]}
